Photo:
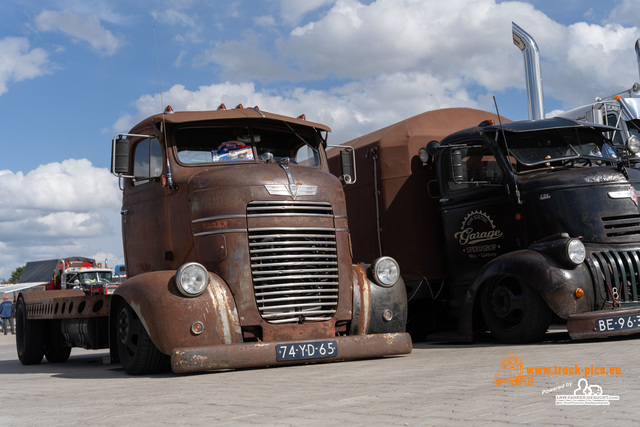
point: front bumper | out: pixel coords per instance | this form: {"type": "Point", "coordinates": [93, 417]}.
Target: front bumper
{"type": "Point", "coordinates": [252, 355]}
{"type": "Point", "coordinates": [604, 323]}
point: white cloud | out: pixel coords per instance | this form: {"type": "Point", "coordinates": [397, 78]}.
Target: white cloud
{"type": "Point", "coordinates": [293, 10]}
{"type": "Point", "coordinates": [59, 186]}
{"type": "Point", "coordinates": [267, 21]}
{"type": "Point", "coordinates": [57, 210]}
{"type": "Point", "coordinates": [464, 41]}
{"type": "Point", "coordinates": [350, 110]}
{"type": "Point", "coordinates": [626, 12]}
{"type": "Point", "coordinates": [85, 28]}
{"type": "Point", "coordinates": [19, 62]}
{"type": "Point", "coordinates": [173, 17]}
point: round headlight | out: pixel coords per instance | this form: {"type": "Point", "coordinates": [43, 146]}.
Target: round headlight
{"type": "Point", "coordinates": [576, 251]}
{"type": "Point", "coordinates": [192, 279]}
{"type": "Point", "coordinates": [423, 154]}
{"type": "Point", "coordinates": [385, 271]}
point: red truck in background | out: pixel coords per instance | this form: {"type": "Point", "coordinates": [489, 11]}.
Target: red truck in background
{"type": "Point", "coordinates": [70, 273]}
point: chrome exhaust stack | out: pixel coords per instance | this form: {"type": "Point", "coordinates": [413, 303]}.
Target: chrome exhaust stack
{"type": "Point", "coordinates": [638, 54]}
{"type": "Point", "coordinates": [533, 73]}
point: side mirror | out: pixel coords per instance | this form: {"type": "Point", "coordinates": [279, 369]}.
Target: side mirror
{"type": "Point", "coordinates": [120, 156]}
{"type": "Point", "coordinates": [346, 166]}
{"type": "Point", "coordinates": [456, 166]}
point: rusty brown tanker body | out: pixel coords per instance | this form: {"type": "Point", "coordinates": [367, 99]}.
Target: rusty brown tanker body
{"type": "Point", "coordinates": [237, 251]}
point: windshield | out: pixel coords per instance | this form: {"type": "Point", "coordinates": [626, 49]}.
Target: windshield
{"type": "Point", "coordinates": [552, 145]}
{"type": "Point", "coordinates": [634, 127]}
{"type": "Point", "coordinates": [227, 144]}
{"type": "Point", "coordinates": [94, 277]}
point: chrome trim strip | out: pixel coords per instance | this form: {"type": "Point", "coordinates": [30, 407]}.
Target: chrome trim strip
{"type": "Point", "coordinates": [304, 229]}
{"type": "Point", "coordinates": [228, 230]}
{"type": "Point", "coordinates": [214, 218]}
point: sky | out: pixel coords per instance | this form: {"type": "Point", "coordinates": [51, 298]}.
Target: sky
{"type": "Point", "coordinates": [73, 73]}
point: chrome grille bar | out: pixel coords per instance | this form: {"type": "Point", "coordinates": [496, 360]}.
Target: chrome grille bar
{"type": "Point", "coordinates": [617, 275]}
{"type": "Point", "coordinates": [294, 269]}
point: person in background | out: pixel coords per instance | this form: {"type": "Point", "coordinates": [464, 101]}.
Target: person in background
{"type": "Point", "coordinates": [6, 313]}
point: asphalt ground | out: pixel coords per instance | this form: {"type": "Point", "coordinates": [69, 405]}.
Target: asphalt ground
{"type": "Point", "coordinates": [438, 384]}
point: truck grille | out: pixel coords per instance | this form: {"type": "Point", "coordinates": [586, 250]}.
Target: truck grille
{"type": "Point", "coordinates": [617, 275]}
{"type": "Point", "coordinates": [294, 269]}
{"type": "Point", "coordinates": [621, 226]}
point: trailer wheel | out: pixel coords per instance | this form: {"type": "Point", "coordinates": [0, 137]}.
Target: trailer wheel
{"type": "Point", "coordinates": [54, 349]}
{"type": "Point", "coordinates": [138, 355]}
{"type": "Point", "coordinates": [514, 312]}
{"type": "Point", "coordinates": [29, 336]}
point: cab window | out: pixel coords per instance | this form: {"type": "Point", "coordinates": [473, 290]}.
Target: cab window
{"type": "Point", "coordinates": [472, 167]}
{"type": "Point", "coordinates": [612, 120]}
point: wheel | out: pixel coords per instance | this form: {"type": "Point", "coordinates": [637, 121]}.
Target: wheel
{"type": "Point", "coordinates": [29, 336]}
{"type": "Point", "coordinates": [54, 349]}
{"type": "Point", "coordinates": [138, 355]}
{"type": "Point", "coordinates": [514, 312]}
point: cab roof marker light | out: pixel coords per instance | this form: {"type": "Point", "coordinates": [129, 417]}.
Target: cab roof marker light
{"type": "Point", "coordinates": [168, 110]}
{"type": "Point", "coordinates": [222, 107]}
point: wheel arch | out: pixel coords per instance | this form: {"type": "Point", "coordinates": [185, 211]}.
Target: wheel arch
{"type": "Point", "coordinates": [555, 283]}
{"type": "Point", "coordinates": [168, 316]}
{"type": "Point", "coordinates": [371, 301]}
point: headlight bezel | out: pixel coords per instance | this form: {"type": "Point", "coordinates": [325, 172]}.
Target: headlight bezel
{"type": "Point", "coordinates": [187, 274]}
{"type": "Point", "coordinates": [575, 251]}
{"type": "Point", "coordinates": [385, 271]}
{"type": "Point", "coordinates": [568, 251]}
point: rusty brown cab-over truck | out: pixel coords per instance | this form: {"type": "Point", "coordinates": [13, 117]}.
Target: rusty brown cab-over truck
{"type": "Point", "coordinates": [505, 228]}
{"type": "Point", "coordinates": [237, 249]}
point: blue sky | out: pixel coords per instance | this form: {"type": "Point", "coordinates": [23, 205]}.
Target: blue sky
{"type": "Point", "coordinates": [75, 72]}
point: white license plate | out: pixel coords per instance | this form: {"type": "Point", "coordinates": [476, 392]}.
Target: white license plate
{"type": "Point", "coordinates": [307, 350]}
{"type": "Point", "coordinates": [618, 323]}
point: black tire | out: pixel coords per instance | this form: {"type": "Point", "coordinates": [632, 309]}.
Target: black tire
{"type": "Point", "coordinates": [138, 355]}
{"type": "Point", "coordinates": [54, 349]}
{"type": "Point", "coordinates": [514, 312]}
{"type": "Point", "coordinates": [29, 336]}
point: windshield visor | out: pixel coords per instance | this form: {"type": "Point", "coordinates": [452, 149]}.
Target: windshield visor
{"type": "Point", "coordinates": [552, 145]}
{"type": "Point", "coordinates": [229, 144]}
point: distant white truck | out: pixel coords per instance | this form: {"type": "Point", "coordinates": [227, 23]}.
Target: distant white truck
{"type": "Point", "coordinates": [621, 110]}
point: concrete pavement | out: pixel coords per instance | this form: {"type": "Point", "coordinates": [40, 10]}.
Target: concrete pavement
{"type": "Point", "coordinates": [439, 384]}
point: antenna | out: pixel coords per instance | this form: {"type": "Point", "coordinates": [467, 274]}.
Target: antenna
{"type": "Point", "coordinates": [155, 40]}
{"type": "Point", "coordinates": [164, 127]}
{"type": "Point", "coordinates": [515, 183]}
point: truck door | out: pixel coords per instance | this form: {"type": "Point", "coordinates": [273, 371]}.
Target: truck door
{"type": "Point", "coordinates": [476, 209]}
{"type": "Point", "coordinates": [144, 214]}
